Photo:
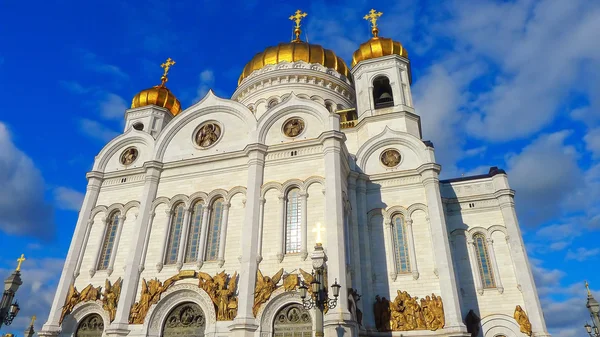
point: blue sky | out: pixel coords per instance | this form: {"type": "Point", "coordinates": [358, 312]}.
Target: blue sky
{"type": "Point", "coordinates": [497, 83]}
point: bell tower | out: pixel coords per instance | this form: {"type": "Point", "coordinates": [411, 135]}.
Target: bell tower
{"type": "Point", "coordinates": [382, 78]}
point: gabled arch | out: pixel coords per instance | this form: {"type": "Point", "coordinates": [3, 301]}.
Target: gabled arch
{"type": "Point", "coordinates": [210, 104]}
{"type": "Point", "coordinates": [417, 207]}
{"type": "Point", "coordinates": [216, 194]}
{"type": "Point", "coordinates": [270, 186]}
{"type": "Point", "coordinates": [389, 137]}
{"type": "Point", "coordinates": [235, 190]}
{"type": "Point", "coordinates": [80, 311]}
{"type": "Point", "coordinates": [179, 198]}
{"type": "Point", "coordinates": [130, 205]}
{"type": "Point", "coordinates": [130, 137]}
{"type": "Point", "coordinates": [391, 211]}
{"type": "Point", "coordinates": [115, 207]}
{"type": "Point", "coordinates": [291, 183]}
{"type": "Point", "coordinates": [497, 228]}
{"type": "Point", "coordinates": [158, 201]}
{"type": "Point", "coordinates": [478, 230]}
{"type": "Point", "coordinates": [195, 197]}
{"type": "Point", "coordinates": [314, 180]}
{"type": "Point", "coordinates": [96, 210]}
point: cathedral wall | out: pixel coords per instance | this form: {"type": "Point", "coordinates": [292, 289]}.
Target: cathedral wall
{"type": "Point", "coordinates": [313, 127]}
{"type": "Point", "coordinates": [203, 178]}
{"type": "Point", "coordinates": [120, 194]}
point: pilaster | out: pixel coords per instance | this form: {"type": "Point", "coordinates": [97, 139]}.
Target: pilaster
{"type": "Point", "coordinates": [365, 246]}
{"type": "Point", "coordinates": [223, 234]}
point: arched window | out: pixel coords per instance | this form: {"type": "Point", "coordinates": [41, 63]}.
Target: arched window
{"type": "Point", "coordinates": [382, 92]}
{"type": "Point", "coordinates": [214, 230]}
{"type": "Point", "coordinates": [293, 218]}
{"type": "Point", "coordinates": [175, 234]}
{"type": "Point", "coordinates": [400, 244]}
{"type": "Point", "coordinates": [193, 239]}
{"type": "Point", "coordinates": [483, 261]}
{"type": "Point", "coordinates": [109, 240]}
{"type": "Point", "coordinates": [90, 326]}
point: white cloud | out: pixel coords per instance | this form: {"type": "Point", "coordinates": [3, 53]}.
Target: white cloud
{"type": "Point", "coordinates": [75, 87]}
{"type": "Point", "coordinates": [35, 295]}
{"type": "Point", "coordinates": [23, 210]}
{"type": "Point", "coordinates": [112, 106]}
{"type": "Point", "coordinates": [67, 198]}
{"type": "Point", "coordinates": [96, 130]}
{"type": "Point", "coordinates": [581, 254]}
{"type": "Point", "coordinates": [207, 80]}
{"type": "Point", "coordinates": [592, 141]}
{"type": "Point", "coordinates": [93, 62]}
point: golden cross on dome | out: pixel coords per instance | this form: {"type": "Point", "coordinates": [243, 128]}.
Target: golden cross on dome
{"type": "Point", "coordinates": [33, 318]}
{"type": "Point", "coordinates": [297, 17]}
{"type": "Point", "coordinates": [318, 229]}
{"type": "Point", "coordinates": [373, 16]}
{"type": "Point", "coordinates": [166, 66]}
{"type": "Point", "coordinates": [20, 260]}
{"type": "Point", "coordinates": [587, 286]}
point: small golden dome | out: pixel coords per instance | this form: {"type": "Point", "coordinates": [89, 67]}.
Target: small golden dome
{"type": "Point", "coordinates": [378, 47]}
{"type": "Point", "coordinates": [292, 52]}
{"type": "Point", "coordinates": [158, 95]}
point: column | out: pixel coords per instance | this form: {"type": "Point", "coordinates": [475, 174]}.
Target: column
{"type": "Point", "coordinates": [367, 277]}
{"type": "Point", "coordinates": [390, 256]}
{"type": "Point", "coordinates": [492, 255]}
{"type": "Point", "coordinates": [474, 265]}
{"type": "Point", "coordinates": [519, 257]}
{"type": "Point", "coordinates": [163, 248]}
{"type": "Point", "coordinates": [355, 249]}
{"type": "Point", "coordinates": [304, 224]}
{"type": "Point", "coordinates": [131, 278]}
{"type": "Point", "coordinates": [412, 254]}
{"type": "Point", "coordinates": [183, 240]}
{"type": "Point", "coordinates": [244, 324]}
{"type": "Point", "coordinates": [282, 228]}
{"type": "Point", "coordinates": [88, 229]}
{"type": "Point", "coordinates": [145, 251]}
{"type": "Point", "coordinates": [99, 244]}
{"type": "Point", "coordinates": [203, 234]}
{"type": "Point", "coordinates": [441, 246]}
{"type": "Point", "coordinates": [223, 234]}
{"type": "Point", "coordinates": [52, 327]}
{"type": "Point", "coordinates": [339, 317]}
{"type": "Point", "coordinates": [261, 220]}
{"type": "Point", "coordinates": [113, 252]}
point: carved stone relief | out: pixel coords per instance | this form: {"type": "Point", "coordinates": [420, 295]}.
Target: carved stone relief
{"type": "Point", "coordinates": [406, 313]}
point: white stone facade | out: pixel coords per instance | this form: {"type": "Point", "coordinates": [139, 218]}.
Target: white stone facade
{"type": "Point", "coordinates": [343, 185]}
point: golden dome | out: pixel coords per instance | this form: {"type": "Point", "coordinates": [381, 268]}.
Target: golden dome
{"type": "Point", "coordinates": [378, 47]}
{"type": "Point", "coordinates": [295, 51]}
{"type": "Point", "coordinates": [158, 95]}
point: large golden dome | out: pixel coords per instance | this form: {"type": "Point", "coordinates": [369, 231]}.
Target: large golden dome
{"type": "Point", "coordinates": [158, 95]}
{"type": "Point", "coordinates": [378, 47]}
{"type": "Point", "coordinates": [292, 52]}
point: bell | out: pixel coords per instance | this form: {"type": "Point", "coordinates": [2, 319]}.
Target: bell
{"type": "Point", "coordinates": [385, 97]}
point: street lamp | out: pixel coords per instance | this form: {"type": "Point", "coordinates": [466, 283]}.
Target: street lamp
{"type": "Point", "coordinates": [594, 309]}
{"type": "Point", "coordinates": [8, 308]}
{"type": "Point", "coordinates": [318, 298]}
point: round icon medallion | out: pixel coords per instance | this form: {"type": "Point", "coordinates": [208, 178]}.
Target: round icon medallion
{"type": "Point", "coordinates": [208, 134]}
{"type": "Point", "coordinates": [129, 156]}
{"type": "Point", "coordinates": [293, 127]}
{"type": "Point", "coordinates": [390, 158]}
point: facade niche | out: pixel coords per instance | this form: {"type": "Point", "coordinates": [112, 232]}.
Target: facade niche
{"type": "Point", "coordinates": [382, 93]}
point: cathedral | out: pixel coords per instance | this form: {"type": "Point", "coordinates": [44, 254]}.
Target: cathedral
{"type": "Point", "coordinates": [307, 204]}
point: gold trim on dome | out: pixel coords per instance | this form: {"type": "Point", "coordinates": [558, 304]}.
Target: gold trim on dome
{"type": "Point", "coordinates": [159, 95]}
{"type": "Point", "coordinates": [293, 52]}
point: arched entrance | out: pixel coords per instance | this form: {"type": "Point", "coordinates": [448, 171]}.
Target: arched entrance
{"type": "Point", "coordinates": [292, 321]}
{"type": "Point", "coordinates": [90, 326]}
{"type": "Point", "coordinates": [186, 319]}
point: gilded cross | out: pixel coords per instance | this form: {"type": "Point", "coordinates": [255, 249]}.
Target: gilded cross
{"type": "Point", "coordinates": [33, 318]}
{"type": "Point", "coordinates": [587, 286]}
{"type": "Point", "coordinates": [166, 66]}
{"type": "Point", "coordinates": [373, 16]}
{"type": "Point", "coordinates": [20, 260]}
{"type": "Point", "coordinates": [297, 17]}
{"type": "Point", "coordinates": [318, 229]}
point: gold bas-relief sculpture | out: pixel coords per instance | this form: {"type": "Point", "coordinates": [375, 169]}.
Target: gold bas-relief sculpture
{"type": "Point", "coordinates": [407, 313]}
{"type": "Point", "coordinates": [208, 134]}
{"type": "Point", "coordinates": [265, 286]}
{"type": "Point", "coordinates": [110, 298]}
{"type": "Point", "coordinates": [293, 127]}
{"type": "Point", "coordinates": [390, 158]}
{"type": "Point", "coordinates": [221, 292]}
{"type": "Point", "coordinates": [218, 289]}
{"type": "Point", "coordinates": [290, 282]}
{"type": "Point", "coordinates": [521, 318]}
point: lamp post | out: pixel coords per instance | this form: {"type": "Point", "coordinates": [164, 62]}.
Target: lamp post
{"type": "Point", "coordinates": [318, 298]}
{"type": "Point", "coordinates": [8, 308]}
{"type": "Point", "coordinates": [594, 309]}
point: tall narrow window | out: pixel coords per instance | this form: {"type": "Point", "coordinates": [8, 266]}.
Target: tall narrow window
{"type": "Point", "coordinates": [193, 239]}
{"type": "Point", "coordinates": [400, 244]}
{"type": "Point", "coordinates": [214, 230]}
{"type": "Point", "coordinates": [109, 240]}
{"type": "Point", "coordinates": [293, 236]}
{"type": "Point", "coordinates": [483, 261]}
{"type": "Point", "coordinates": [175, 234]}
{"type": "Point", "coordinates": [382, 92]}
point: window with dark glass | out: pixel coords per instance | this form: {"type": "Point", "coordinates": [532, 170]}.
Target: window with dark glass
{"type": "Point", "coordinates": [400, 244]}
{"type": "Point", "coordinates": [109, 240]}
{"type": "Point", "coordinates": [193, 239]}
{"type": "Point", "coordinates": [483, 261]}
{"type": "Point", "coordinates": [175, 234]}
{"type": "Point", "coordinates": [214, 230]}
{"type": "Point", "coordinates": [293, 221]}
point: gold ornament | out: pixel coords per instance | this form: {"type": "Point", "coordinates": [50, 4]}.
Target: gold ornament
{"type": "Point", "coordinates": [265, 286]}
{"type": "Point", "coordinates": [523, 321]}
{"type": "Point", "coordinates": [372, 17]}
{"type": "Point", "coordinates": [110, 298]}
{"type": "Point", "coordinates": [166, 66]}
{"type": "Point", "coordinates": [20, 261]}
{"type": "Point", "coordinates": [406, 313]}
{"type": "Point", "coordinates": [221, 292]}
{"type": "Point", "coordinates": [290, 282]}
{"type": "Point", "coordinates": [390, 158]}
{"type": "Point", "coordinates": [297, 17]}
